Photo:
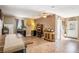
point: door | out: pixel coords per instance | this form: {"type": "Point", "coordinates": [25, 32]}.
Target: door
{"type": "Point", "coordinates": [72, 29]}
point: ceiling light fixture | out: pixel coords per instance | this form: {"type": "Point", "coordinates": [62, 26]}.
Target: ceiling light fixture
{"type": "Point", "coordinates": [44, 15]}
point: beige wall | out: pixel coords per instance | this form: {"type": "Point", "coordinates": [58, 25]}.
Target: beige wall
{"type": "Point", "coordinates": [78, 27]}
{"type": "Point", "coordinates": [10, 20]}
{"type": "Point", "coordinates": [30, 25]}
{"type": "Point", "coordinates": [47, 22]}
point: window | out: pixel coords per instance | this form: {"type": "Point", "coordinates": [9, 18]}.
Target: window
{"type": "Point", "coordinates": [20, 24]}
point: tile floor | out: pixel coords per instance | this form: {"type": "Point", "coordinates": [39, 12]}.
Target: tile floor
{"type": "Point", "coordinates": [39, 45]}
{"type": "Point", "coordinates": [2, 43]}
{"type": "Point", "coordinates": [69, 46]}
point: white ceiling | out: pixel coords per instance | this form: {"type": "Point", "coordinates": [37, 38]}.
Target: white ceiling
{"type": "Point", "coordinates": [36, 10]}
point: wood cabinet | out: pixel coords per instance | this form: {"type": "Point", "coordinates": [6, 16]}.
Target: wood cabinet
{"type": "Point", "coordinates": [0, 14]}
{"type": "Point", "coordinates": [50, 36]}
{"type": "Point", "coordinates": [39, 30]}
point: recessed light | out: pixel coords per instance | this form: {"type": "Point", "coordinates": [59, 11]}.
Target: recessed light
{"type": "Point", "coordinates": [53, 6]}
